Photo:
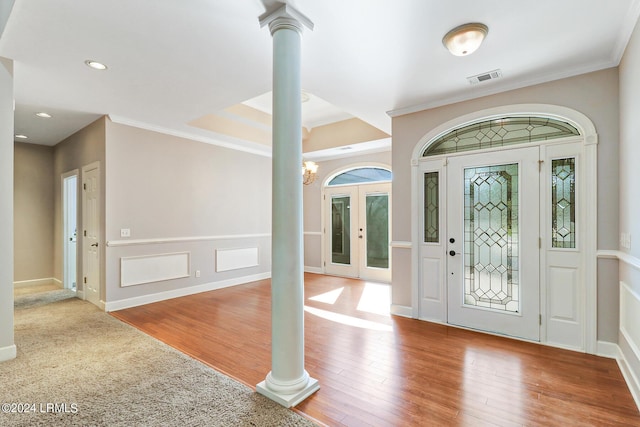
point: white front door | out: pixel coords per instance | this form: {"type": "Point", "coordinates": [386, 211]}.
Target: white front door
{"type": "Point", "coordinates": [91, 233]}
{"type": "Point", "coordinates": [357, 231]}
{"type": "Point", "coordinates": [492, 242]}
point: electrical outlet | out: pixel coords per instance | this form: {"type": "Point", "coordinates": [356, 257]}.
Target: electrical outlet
{"type": "Point", "coordinates": [625, 240]}
{"type": "Point", "coordinates": [125, 232]}
{"type": "Point", "coordinates": [197, 273]}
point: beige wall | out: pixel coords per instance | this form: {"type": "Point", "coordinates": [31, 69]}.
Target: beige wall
{"type": "Point", "coordinates": [160, 186]}
{"type": "Point", "coordinates": [629, 179]}
{"type": "Point", "coordinates": [7, 346]}
{"type": "Point", "coordinates": [312, 200]}
{"type": "Point", "coordinates": [33, 212]}
{"type": "Point", "coordinates": [596, 96]}
{"type": "Point", "coordinates": [80, 149]}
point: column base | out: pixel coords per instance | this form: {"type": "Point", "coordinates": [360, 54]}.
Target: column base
{"type": "Point", "coordinates": [289, 400]}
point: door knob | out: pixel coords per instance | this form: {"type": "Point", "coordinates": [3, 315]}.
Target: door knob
{"type": "Point", "coordinates": [95, 244]}
{"type": "Point", "coordinates": [452, 253]}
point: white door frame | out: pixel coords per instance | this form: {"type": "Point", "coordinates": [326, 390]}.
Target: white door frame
{"type": "Point", "coordinates": [67, 253]}
{"type": "Point", "coordinates": [589, 138]}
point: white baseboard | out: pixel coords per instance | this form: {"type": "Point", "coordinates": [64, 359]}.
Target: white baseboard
{"type": "Point", "coordinates": [316, 270]}
{"type": "Point", "coordinates": [401, 310]}
{"type": "Point", "coordinates": [8, 353]}
{"type": "Point", "coordinates": [607, 349]}
{"type": "Point", "coordinates": [631, 380]}
{"type": "Point", "coordinates": [37, 282]}
{"type": "Point", "coordinates": [176, 293]}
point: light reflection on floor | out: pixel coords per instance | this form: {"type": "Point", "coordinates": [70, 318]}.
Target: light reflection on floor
{"type": "Point", "coordinates": [328, 297]}
{"type": "Point", "coordinates": [375, 299]}
{"type": "Point", "coordinates": [348, 320]}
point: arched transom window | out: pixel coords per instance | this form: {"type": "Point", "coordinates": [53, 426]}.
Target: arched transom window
{"type": "Point", "coordinates": [500, 132]}
{"type": "Point", "coordinates": [361, 176]}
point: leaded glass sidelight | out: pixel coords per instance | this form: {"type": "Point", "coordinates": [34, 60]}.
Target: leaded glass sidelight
{"type": "Point", "coordinates": [431, 208]}
{"type": "Point", "coordinates": [491, 237]}
{"type": "Point", "coordinates": [563, 203]}
{"type": "Point", "coordinates": [498, 133]}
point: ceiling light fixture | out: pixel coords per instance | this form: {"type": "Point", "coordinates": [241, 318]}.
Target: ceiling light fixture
{"type": "Point", "coordinates": [95, 64]}
{"type": "Point", "coordinates": [21, 136]}
{"type": "Point", "coordinates": [43, 115]}
{"type": "Point", "coordinates": [309, 170]}
{"type": "Point", "coordinates": [465, 39]}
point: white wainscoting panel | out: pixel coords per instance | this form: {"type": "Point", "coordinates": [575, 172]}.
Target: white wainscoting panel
{"type": "Point", "coordinates": [154, 268]}
{"type": "Point", "coordinates": [630, 317]}
{"type": "Point", "coordinates": [233, 259]}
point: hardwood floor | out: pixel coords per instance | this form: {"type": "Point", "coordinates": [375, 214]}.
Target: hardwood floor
{"type": "Point", "coordinates": [379, 370]}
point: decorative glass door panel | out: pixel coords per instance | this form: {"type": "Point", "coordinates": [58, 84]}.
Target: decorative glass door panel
{"type": "Point", "coordinates": [377, 230]}
{"type": "Point", "coordinates": [341, 230]}
{"type": "Point", "coordinates": [492, 243]}
{"type": "Point", "coordinates": [491, 237]}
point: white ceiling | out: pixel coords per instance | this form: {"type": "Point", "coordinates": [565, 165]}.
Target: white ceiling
{"type": "Point", "coordinates": [171, 62]}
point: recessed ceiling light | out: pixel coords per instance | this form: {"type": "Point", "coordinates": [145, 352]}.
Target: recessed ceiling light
{"type": "Point", "coordinates": [21, 136]}
{"type": "Point", "coordinates": [95, 64]}
{"type": "Point", "coordinates": [43, 115]}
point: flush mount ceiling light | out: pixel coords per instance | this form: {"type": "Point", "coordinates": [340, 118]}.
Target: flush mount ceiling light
{"type": "Point", "coordinates": [43, 115]}
{"type": "Point", "coordinates": [21, 136]}
{"type": "Point", "coordinates": [465, 39]}
{"type": "Point", "coordinates": [95, 64]}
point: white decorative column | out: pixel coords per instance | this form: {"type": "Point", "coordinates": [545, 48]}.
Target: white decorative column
{"type": "Point", "coordinates": [288, 383]}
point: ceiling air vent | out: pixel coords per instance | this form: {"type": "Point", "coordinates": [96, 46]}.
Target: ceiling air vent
{"type": "Point", "coordinates": [484, 77]}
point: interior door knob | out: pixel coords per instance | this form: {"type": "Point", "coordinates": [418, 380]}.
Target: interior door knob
{"type": "Point", "coordinates": [452, 253]}
{"type": "Point", "coordinates": [95, 244]}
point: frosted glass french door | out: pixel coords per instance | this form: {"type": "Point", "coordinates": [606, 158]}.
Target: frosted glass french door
{"type": "Point", "coordinates": [357, 231]}
{"type": "Point", "coordinates": [493, 242]}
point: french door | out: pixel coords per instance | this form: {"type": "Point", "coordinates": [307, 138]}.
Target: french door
{"type": "Point", "coordinates": [357, 220]}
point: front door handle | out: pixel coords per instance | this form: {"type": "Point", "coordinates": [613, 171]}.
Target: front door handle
{"type": "Point", "coordinates": [452, 253]}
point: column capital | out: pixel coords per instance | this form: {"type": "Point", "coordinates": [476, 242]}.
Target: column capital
{"type": "Point", "coordinates": [285, 16]}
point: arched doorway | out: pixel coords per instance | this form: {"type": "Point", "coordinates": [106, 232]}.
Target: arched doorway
{"type": "Point", "coordinates": [357, 218]}
{"type": "Point", "coordinates": [506, 226]}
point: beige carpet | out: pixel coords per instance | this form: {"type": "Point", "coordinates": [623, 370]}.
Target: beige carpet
{"type": "Point", "coordinates": [97, 371]}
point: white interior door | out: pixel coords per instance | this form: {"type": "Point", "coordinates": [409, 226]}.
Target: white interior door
{"type": "Point", "coordinates": [357, 231]}
{"type": "Point", "coordinates": [70, 204]}
{"type": "Point", "coordinates": [91, 233]}
{"type": "Point", "coordinates": [493, 242]}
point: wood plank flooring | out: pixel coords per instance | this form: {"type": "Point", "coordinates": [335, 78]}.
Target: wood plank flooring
{"type": "Point", "coordinates": [381, 370]}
